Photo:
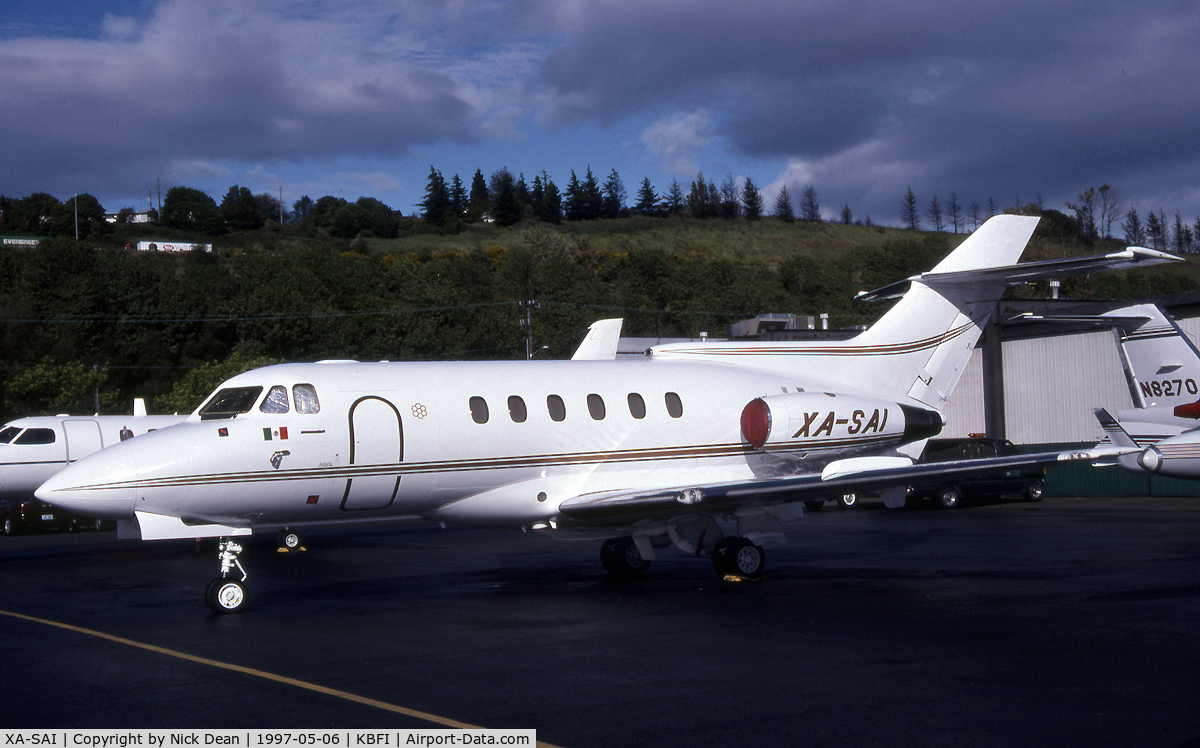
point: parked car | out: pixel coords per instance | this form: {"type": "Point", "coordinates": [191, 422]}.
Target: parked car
{"type": "Point", "coordinates": [1028, 483]}
{"type": "Point", "coordinates": [38, 516]}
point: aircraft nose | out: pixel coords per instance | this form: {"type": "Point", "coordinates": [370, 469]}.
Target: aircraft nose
{"type": "Point", "coordinates": [102, 485]}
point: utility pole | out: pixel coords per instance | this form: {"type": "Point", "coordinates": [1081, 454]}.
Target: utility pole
{"type": "Point", "coordinates": [529, 306]}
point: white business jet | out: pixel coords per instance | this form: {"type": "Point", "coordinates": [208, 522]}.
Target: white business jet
{"type": "Point", "coordinates": [709, 446]}
{"type": "Point", "coordinates": [1162, 367]}
{"type": "Point", "coordinates": [34, 448]}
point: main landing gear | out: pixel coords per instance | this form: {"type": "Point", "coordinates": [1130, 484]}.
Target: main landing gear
{"type": "Point", "coordinates": [732, 557]}
{"type": "Point", "coordinates": [740, 558]}
{"type": "Point", "coordinates": [226, 593]}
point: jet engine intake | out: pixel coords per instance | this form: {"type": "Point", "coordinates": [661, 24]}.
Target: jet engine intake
{"type": "Point", "coordinates": [817, 421]}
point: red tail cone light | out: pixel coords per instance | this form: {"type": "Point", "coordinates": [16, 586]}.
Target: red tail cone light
{"type": "Point", "coordinates": [756, 422]}
{"type": "Point", "coordinates": [1190, 410]}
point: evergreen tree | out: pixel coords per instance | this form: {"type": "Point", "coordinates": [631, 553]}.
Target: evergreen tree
{"type": "Point", "coordinates": [847, 215]}
{"type": "Point", "coordinates": [730, 198]}
{"type": "Point", "coordinates": [954, 211]}
{"type": "Point", "coordinates": [575, 200]}
{"type": "Point", "coordinates": [673, 202]}
{"type": "Point", "coordinates": [523, 193]}
{"type": "Point", "coordinates": [752, 200]}
{"type": "Point", "coordinates": [593, 198]}
{"type": "Point", "coordinates": [551, 208]}
{"type": "Point", "coordinates": [613, 200]}
{"type": "Point", "coordinates": [506, 207]}
{"type": "Point", "coordinates": [436, 208]}
{"type": "Point", "coordinates": [934, 212]}
{"type": "Point", "coordinates": [810, 209]}
{"type": "Point", "coordinates": [1154, 231]}
{"type": "Point", "coordinates": [910, 215]}
{"type": "Point", "coordinates": [647, 204]}
{"type": "Point", "coordinates": [783, 205]}
{"type": "Point", "coordinates": [697, 199]}
{"type": "Point", "coordinates": [478, 202]}
{"type": "Point", "coordinates": [458, 198]}
{"type": "Point", "coordinates": [1135, 234]}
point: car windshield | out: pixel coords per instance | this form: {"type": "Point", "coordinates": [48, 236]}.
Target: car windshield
{"type": "Point", "coordinates": [8, 433]}
{"type": "Point", "coordinates": [229, 402]}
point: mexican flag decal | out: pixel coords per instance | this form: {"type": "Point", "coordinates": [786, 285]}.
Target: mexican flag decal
{"type": "Point", "coordinates": [279, 433]}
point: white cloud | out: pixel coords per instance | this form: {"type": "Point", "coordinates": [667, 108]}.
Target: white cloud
{"type": "Point", "coordinates": [677, 140]}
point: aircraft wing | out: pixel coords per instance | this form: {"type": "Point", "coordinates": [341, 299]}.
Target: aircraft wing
{"type": "Point", "coordinates": [833, 482]}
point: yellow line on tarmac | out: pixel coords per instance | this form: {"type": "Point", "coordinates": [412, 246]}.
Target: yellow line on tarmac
{"type": "Point", "coordinates": [435, 719]}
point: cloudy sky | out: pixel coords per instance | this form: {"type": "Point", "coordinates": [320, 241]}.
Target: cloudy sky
{"type": "Point", "coordinates": [1006, 101]}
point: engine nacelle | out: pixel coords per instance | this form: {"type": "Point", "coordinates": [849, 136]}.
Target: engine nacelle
{"type": "Point", "coordinates": [819, 421]}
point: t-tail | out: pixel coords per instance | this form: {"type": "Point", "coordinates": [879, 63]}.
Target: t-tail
{"type": "Point", "coordinates": [1162, 366]}
{"type": "Point", "coordinates": [918, 350]}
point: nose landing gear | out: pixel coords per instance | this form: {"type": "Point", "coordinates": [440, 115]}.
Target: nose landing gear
{"type": "Point", "coordinates": [227, 594]}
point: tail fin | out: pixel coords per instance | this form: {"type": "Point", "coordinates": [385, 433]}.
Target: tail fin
{"type": "Point", "coordinates": [920, 347]}
{"type": "Point", "coordinates": [600, 343]}
{"type": "Point", "coordinates": [1162, 366]}
{"type": "Point", "coordinates": [926, 339]}
{"type": "Point", "coordinates": [1113, 430]}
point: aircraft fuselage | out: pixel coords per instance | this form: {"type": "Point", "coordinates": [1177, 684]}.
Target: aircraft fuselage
{"type": "Point", "coordinates": [496, 444]}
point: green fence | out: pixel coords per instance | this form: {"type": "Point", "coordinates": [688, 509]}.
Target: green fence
{"type": "Point", "coordinates": [1081, 479]}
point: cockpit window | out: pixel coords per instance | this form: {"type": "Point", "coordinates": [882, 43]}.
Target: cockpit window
{"type": "Point", "coordinates": [228, 403]}
{"type": "Point", "coordinates": [36, 436]}
{"type": "Point", "coordinates": [306, 399]}
{"type": "Point", "coordinates": [276, 400]}
{"type": "Point", "coordinates": [8, 433]}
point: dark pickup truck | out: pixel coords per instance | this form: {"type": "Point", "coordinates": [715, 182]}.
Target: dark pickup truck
{"type": "Point", "coordinates": [1028, 483]}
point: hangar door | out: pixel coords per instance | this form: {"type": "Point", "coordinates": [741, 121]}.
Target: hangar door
{"type": "Point", "coordinates": [376, 449]}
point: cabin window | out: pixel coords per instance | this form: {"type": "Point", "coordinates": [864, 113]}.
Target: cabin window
{"type": "Point", "coordinates": [8, 434]}
{"type": "Point", "coordinates": [556, 407]}
{"type": "Point", "coordinates": [637, 406]}
{"type": "Point", "coordinates": [276, 400]}
{"type": "Point", "coordinates": [674, 405]}
{"type": "Point", "coordinates": [36, 436]}
{"type": "Point", "coordinates": [516, 409]}
{"type": "Point", "coordinates": [305, 396]}
{"type": "Point", "coordinates": [229, 402]}
{"type": "Point", "coordinates": [479, 410]}
{"type": "Point", "coordinates": [596, 407]}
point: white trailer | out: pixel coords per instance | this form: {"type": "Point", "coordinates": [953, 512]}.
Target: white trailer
{"type": "Point", "coordinates": [172, 247]}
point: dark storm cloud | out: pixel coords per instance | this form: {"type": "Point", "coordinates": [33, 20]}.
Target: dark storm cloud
{"type": "Point", "coordinates": [999, 97]}
{"type": "Point", "coordinates": [211, 81]}
{"type": "Point", "coordinates": [996, 99]}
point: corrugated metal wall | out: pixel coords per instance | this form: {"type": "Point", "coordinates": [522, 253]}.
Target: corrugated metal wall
{"type": "Point", "coordinates": [1050, 387]}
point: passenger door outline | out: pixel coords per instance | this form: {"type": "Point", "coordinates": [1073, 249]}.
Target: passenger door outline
{"type": "Point", "coordinates": [83, 438]}
{"type": "Point", "coordinates": [376, 438]}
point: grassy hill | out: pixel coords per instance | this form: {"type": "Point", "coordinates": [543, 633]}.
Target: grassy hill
{"type": "Point", "coordinates": [145, 321]}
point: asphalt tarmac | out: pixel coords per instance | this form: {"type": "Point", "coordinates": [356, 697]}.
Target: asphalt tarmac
{"type": "Point", "coordinates": [1064, 623]}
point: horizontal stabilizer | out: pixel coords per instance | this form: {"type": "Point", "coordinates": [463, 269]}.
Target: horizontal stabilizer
{"type": "Point", "coordinates": [1099, 320]}
{"type": "Point", "coordinates": [1026, 272]}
